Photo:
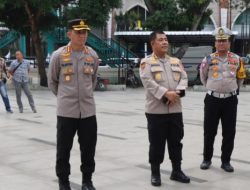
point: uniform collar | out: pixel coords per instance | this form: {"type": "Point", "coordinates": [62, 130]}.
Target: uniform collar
{"type": "Point", "coordinates": [155, 58]}
{"type": "Point", "coordinates": [69, 49]}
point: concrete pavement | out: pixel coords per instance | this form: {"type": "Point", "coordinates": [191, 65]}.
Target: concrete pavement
{"type": "Point", "coordinates": [27, 148]}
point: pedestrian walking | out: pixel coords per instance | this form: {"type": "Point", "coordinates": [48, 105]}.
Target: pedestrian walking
{"type": "Point", "coordinates": [19, 69]}
{"type": "Point", "coordinates": [3, 90]}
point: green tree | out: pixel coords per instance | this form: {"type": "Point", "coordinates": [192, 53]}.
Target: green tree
{"type": "Point", "coordinates": [241, 4]}
{"type": "Point", "coordinates": [96, 12]}
{"type": "Point", "coordinates": [31, 17]}
{"type": "Point", "coordinates": [36, 16]}
{"type": "Point", "coordinates": [178, 15]}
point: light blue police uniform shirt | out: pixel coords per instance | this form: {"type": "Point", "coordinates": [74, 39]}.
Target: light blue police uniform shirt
{"type": "Point", "coordinates": [22, 72]}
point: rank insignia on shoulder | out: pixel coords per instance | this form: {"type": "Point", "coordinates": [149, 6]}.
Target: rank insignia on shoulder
{"type": "Point", "coordinates": [232, 61]}
{"type": "Point", "coordinates": [143, 65]}
{"type": "Point", "coordinates": [89, 59]}
{"type": "Point", "coordinates": [153, 60]}
{"type": "Point", "coordinates": [65, 54]}
{"type": "Point", "coordinates": [66, 59]}
{"type": "Point", "coordinates": [216, 54]}
{"type": "Point", "coordinates": [174, 60]}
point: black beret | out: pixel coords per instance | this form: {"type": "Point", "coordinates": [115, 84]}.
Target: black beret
{"type": "Point", "coordinates": [78, 24]}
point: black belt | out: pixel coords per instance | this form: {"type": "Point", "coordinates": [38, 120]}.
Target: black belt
{"type": "Point", "coordinates": [221, 95]}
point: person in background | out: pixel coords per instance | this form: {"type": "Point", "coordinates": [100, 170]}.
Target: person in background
{"type": "Point", "coordinates": [3, 90]}
{"type": "Point", "coordinates": [19, 69]}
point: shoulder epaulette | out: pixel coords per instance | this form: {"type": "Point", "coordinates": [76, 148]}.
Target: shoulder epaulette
{"type": "Point", "coordinates": [144, 60]}
{"type": "Point", "coordinates": [174, 60]}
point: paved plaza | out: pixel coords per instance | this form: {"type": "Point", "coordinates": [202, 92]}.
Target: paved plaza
{"type": "Point", "coordinates": [28, 146]}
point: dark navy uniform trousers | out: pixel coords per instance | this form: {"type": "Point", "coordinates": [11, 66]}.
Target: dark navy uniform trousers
{"type": "Point", "coordinates": [87, 136]}
{"type": "Point", "coordinates": [216, 109]}
{"type": "Point", "coordinates": [164, 128]}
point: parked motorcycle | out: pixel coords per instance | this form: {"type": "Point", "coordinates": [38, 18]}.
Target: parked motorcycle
{"type": "Point", "coordinates": [132, 79]}
{"type": "Point", "coordinates": [101, 84]}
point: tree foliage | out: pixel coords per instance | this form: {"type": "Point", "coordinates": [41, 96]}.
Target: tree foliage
{"type": "Point", "coordinates": [36, 16]}
{"type": "Point", "coordinates": [31, 17]}
{"type": "Point", "coordinates": [241, 4]}
{"type": "Point", "coordinates": [95, 12]}
{"type": "Point", "coordinates": [16, 16]}
{"type": "Point", "coordinates": [178, 14]}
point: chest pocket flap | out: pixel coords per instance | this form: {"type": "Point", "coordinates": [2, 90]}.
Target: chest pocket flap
{"type": "Point", "coordinates": [176, 68]}
{"type": "Point", "coordinates": [157, 72]}
{"type": "Point", "coordinates": [155, 69]}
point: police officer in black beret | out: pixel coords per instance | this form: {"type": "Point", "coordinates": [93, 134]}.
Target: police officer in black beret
{"type": "Point", "coordinates": [72, 78]}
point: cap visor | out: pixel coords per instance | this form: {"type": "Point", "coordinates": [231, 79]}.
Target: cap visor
{"type": "Point", "coordinates": [221, 38]}
{"type": "Point", "coordinates": [82, 28]}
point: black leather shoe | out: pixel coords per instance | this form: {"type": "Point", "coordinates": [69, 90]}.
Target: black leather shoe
{"type": "Point", "coordinates": [227, 167]}
{"type": "Point", "coordinates": [205, 164]}
{"type": "Point", "coordinates": [64, 186]}
{"type": "Point", "coordinates": [179, 176]}
{"type": "Point", "coordinates": [88, 186]}
{"type": "Point", "coordinates": [156, 180]}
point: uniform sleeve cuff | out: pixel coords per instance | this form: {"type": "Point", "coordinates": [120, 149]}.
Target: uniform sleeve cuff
{"type": "Point", "coordinates": [160, 92]}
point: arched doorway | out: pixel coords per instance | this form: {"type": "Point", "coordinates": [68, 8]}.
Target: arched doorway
{"type": "Point", "coordinates": [242, 25]}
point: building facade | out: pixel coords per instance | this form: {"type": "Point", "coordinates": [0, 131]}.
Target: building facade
{"type": "Point", "coordinates": [236, 19]}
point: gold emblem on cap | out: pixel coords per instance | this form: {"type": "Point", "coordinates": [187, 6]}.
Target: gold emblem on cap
{"type": "Point", "coordinates": [81, 22]}
{"type": "Point", "coordinates": [221, 32]}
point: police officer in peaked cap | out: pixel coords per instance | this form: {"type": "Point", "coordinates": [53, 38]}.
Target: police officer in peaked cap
{"type": "Point", "coordinates": [222, 73]}
{"type": "Point", "coordinates": [72, 78]}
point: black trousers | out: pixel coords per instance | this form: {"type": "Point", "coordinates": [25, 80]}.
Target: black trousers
{"type": "Point", "coordinates": [164, 128]}
{"type": "Point", "coordinates": [217, 109]}
{"type": "Point", "coordinates": [87, 136]}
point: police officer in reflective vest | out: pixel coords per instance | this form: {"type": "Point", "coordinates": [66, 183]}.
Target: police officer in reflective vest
{"type": "Point", "coordinates": [221, 73]}
{"type": "Point", "coordinates": [72, 78]}
{"type": "Point", "coordinates": [165, 81]}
